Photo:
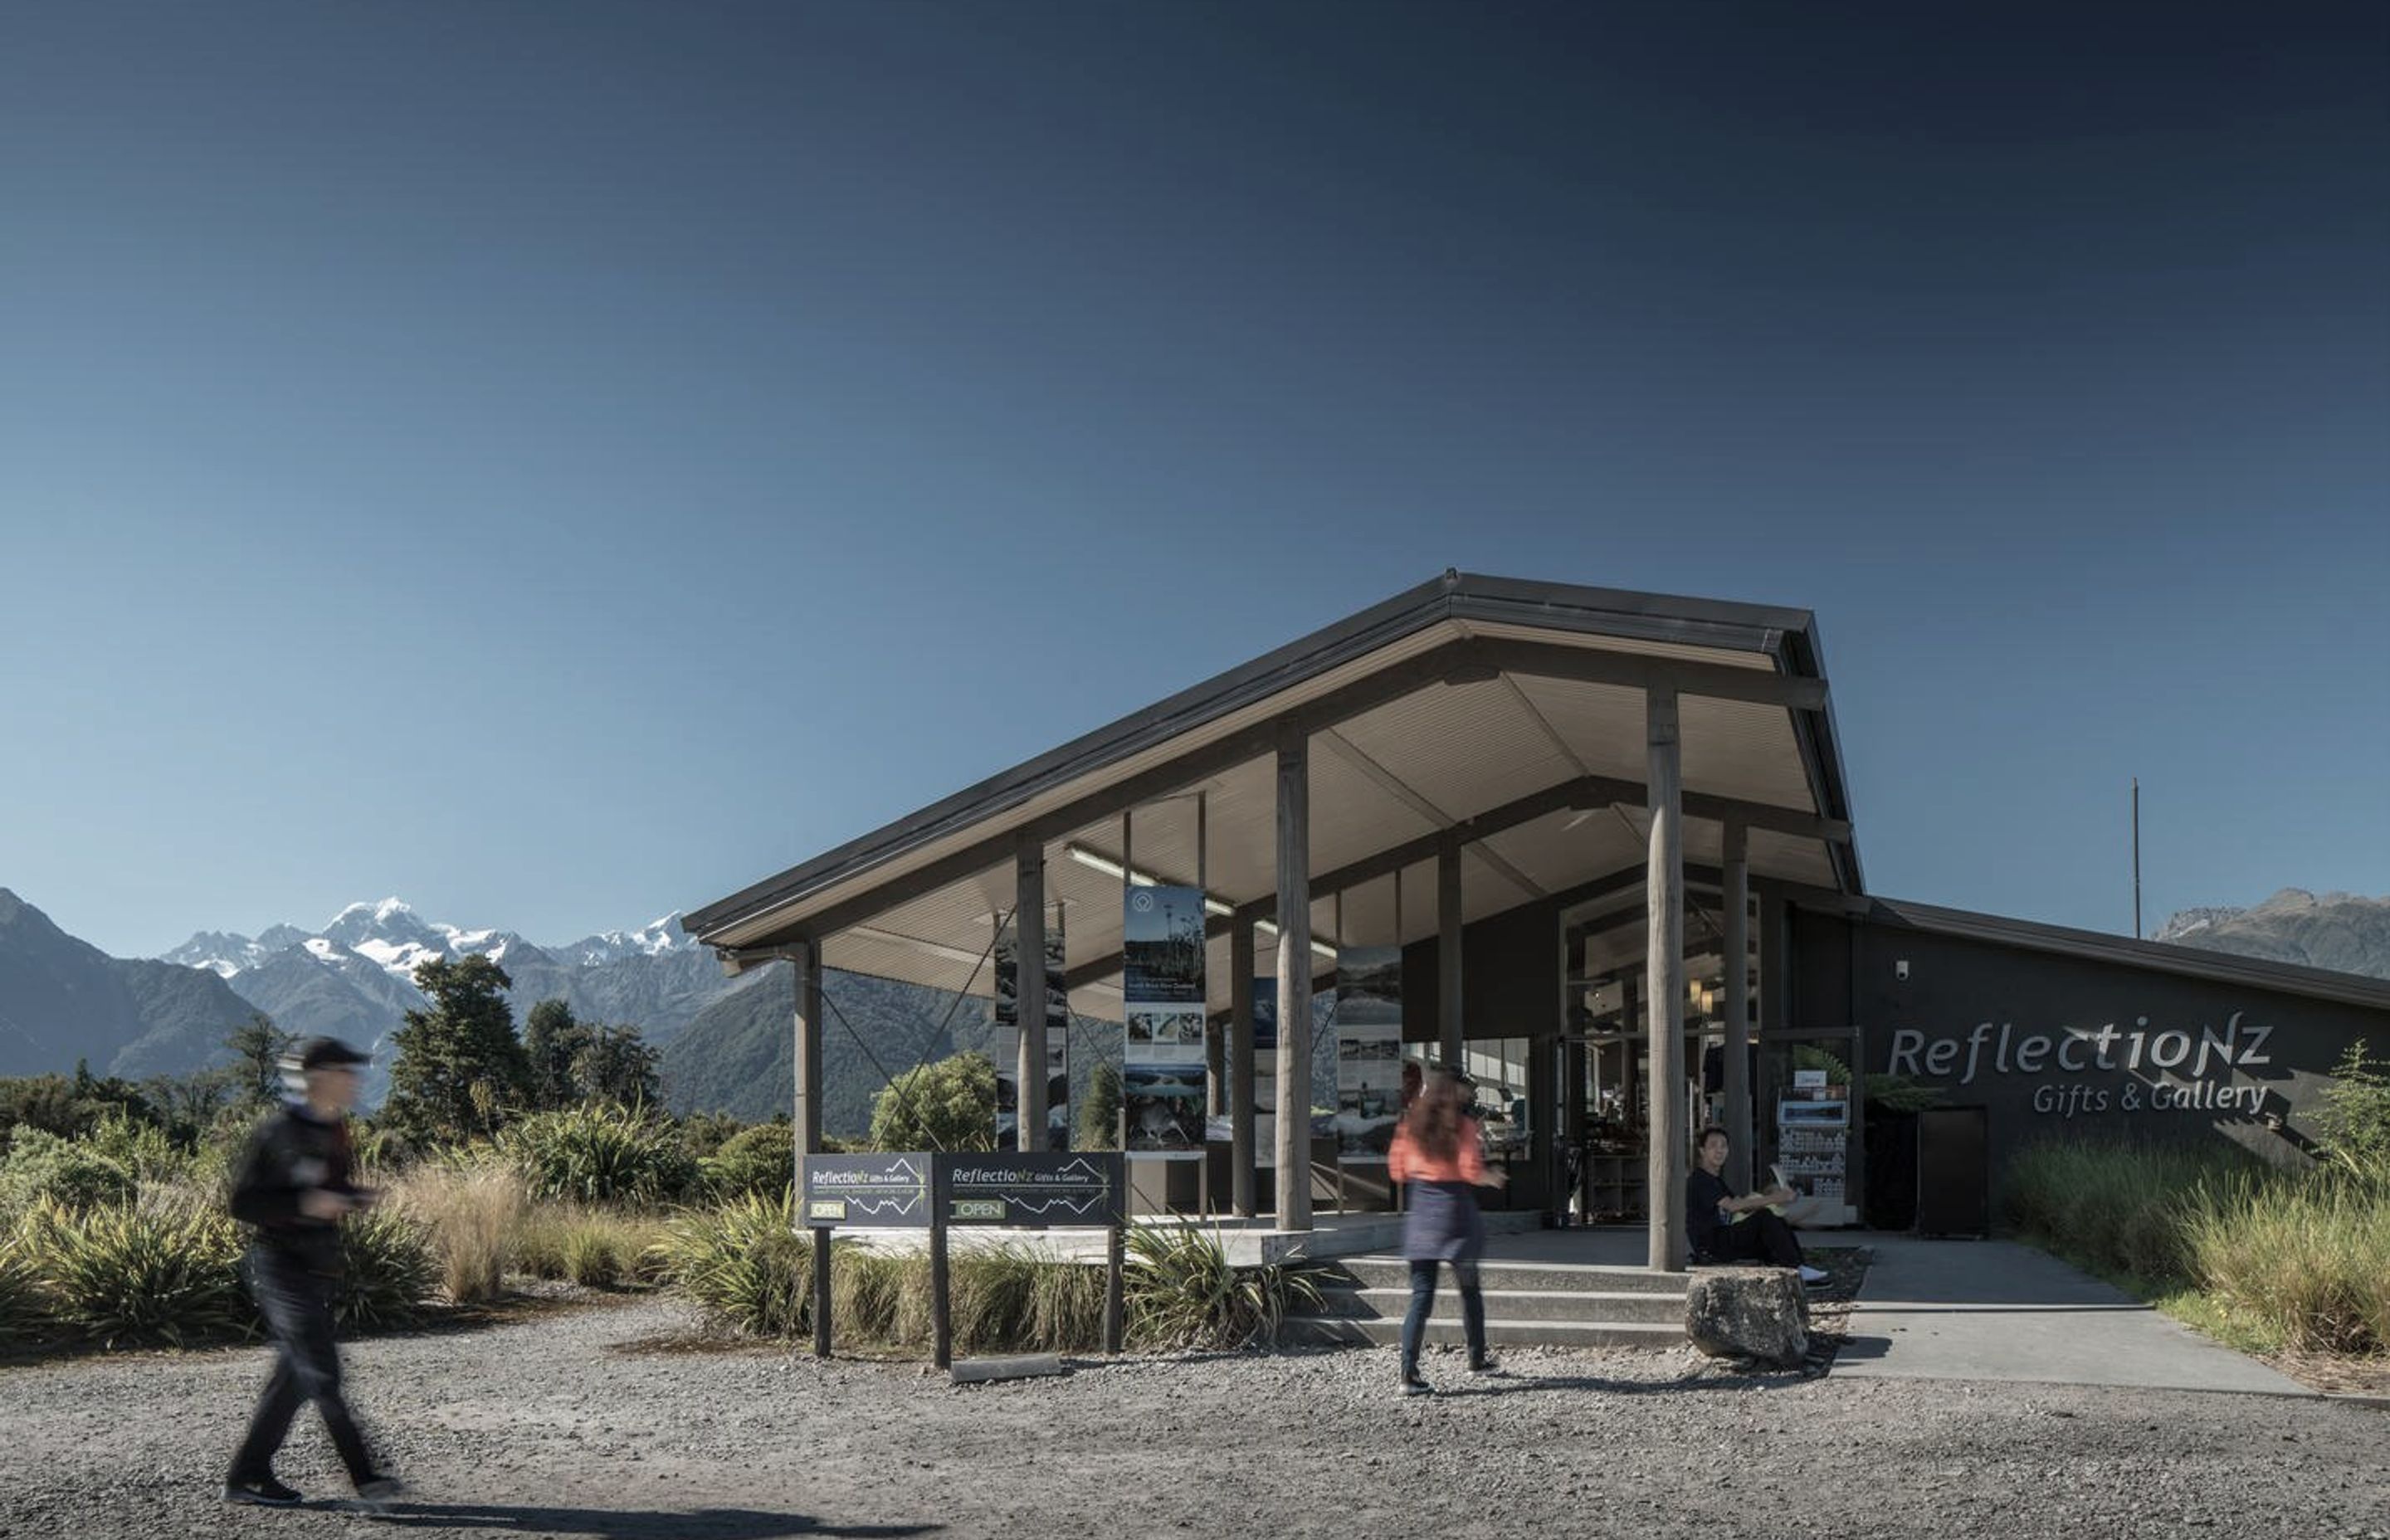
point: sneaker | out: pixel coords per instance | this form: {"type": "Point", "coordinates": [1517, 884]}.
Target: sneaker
{"type": "Point", "coordinates": [1484, 1366]}
{"type": "Point", "coordinates": [1813, 1275]}
{"type": "Point", "coordinates": [374, 1494]}
{"type": "Point", "coordinates": [263, 1491]}
{"type": "Point", "coordinates": [1414, 1385]}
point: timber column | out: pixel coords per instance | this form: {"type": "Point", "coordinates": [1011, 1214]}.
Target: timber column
{"type": "Point", "coordinates": [1664, 982]}
{"type": "Point", "coordinates": [1738, 1004]}
{"type": "Point", "coordinates": [806, 960]}
{"type": "Point", "coordinates": [1447, 953]}
{"type": "Point", "coordinates": [1029, 993]}
{"type": "Point", "coordinates": [1293, 979]}
{"type": "Point", "coordinates": [1240, 1066]}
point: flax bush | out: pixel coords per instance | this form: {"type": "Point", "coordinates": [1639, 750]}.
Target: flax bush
{"type": "Point", "coordinates": [161, 1271]}
{"type": "Point", "coordinates": [24, 1314]}
{"type": "Point", "coordinates": [388, 1268]}
{"type": "Point", "coordinates": [600, 1153]}
{"type": "Point", "coordinates": [743, 1265]}
{"type": "Point", "coordinates": [1183, 1294]}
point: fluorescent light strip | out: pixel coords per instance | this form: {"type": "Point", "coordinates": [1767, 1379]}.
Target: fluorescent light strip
{"type": "Point", "coordinates": [1098, 861]}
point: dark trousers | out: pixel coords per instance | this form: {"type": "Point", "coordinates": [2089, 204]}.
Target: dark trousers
{"type": "Point", "coordinates": [297, 1305]}
{"type": "Point", "coordinates": [1764, 1237]}
{"type": "Point", "coordinates": [1472, 1311]}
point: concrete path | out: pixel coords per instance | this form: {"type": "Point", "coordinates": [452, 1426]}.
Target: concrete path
{"type": "Point", "coordinates": [1995, 1310]}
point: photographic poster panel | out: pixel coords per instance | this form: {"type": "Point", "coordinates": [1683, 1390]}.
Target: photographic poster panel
{"type": "Point", "coordinates": [1163, 1062]}
{"type": "Point", "coordinates": [1266, 1071]}
{"type": "Point", "coordinates": [1004, 1041]}
{"type": "Point", "coordinates": [1369, 1051]}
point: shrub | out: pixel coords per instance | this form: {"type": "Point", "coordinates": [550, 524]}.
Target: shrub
{"type": "Point", "coordinates": [162, 1271]}
{"type": "Point", "coordinates": [704, 1134]}
{"type": "Point", "coordinates": [142, 1148]}
{"type": "Point", "coordinates": [2354, 1116]}
{"type": "Point", "coordinates": [949, 1105]}
{"type": "Point", "coordinates": [388, 1269]}
{"type": "Point", "coordinates": [470, 1211]}
{"type": "Point", "coordinates": [760, 1161]}
{"type": "Point", "coordinates": [599, 1153]}
{"type": "Point", "coordinates": [43, 1168]}
{"type": "Point", "coordinates": [1183, 1294]}
{"type": "Point", "coordinates": [743, 1265]}
{"type": "Point", "coordinates": [1100, 1110]}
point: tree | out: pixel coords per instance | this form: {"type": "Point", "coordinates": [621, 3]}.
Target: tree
{"type": "Point", "coordinates": [1099, 1109]}
{"type": "Point", "coordinates": [460, 1068]}
{"type": "Point", "coordinates": [554, 1040]}
{"type": "Point", "coordinates": [949, 1105]}
{"type": "Point", "coordinates": [258, 1049]}
{"type": "Point", "coordinates": [618, 1066]}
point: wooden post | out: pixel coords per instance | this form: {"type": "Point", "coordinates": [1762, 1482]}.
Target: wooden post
{"type": "Point", "coordinates": [1240, 1067]}
{"type": "Point", "coordinates": [1665, 983]}
{"type": "Point", "coordinates": [1738, 1005]}
{"type": "Point", "coordinates": [1448, 954]}
{"type": "Point", "coordinates": [1293, 979]}
{"type": "Point", "coordinates": [821, 1291]}
{"type": "Point", "coordinates": [808, 1107]}
{"type": "Point", "coordinates": [942, 1318]}
{"type": "Point", "coordinates": [1115, 1247]}
{"type": "Point", "coordinates": [1029, 996]}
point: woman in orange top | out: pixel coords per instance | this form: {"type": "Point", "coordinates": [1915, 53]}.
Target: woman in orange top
{"type": "Point", "coordinates": [1435, 1152]}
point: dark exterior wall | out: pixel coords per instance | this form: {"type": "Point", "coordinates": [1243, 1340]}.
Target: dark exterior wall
{"type": "Point", "coordinates": [1509, 976]}
{"type": "Point", "coordinates": [2020, 1031]}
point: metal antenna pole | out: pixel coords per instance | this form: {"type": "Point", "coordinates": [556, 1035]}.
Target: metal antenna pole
{"type": "Point", "coordinates": [2137, 857]}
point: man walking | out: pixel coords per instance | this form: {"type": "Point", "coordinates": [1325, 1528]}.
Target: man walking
{"type": "Point", "coordinates": [295, 1186]}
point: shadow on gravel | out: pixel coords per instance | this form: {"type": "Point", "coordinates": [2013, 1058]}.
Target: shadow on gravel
{"type": "Point", "coordinates": [1525, 1385]}
{"type": "Point", "coordinates": [704, 1523]}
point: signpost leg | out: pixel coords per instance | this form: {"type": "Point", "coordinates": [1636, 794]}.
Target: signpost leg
{"type": "Point", "coordinates": [941, 1320]}
{"type": "Point", "coordinates": [1114, 1305]}
{"type": "Point", "coordinates": [821, 1291]}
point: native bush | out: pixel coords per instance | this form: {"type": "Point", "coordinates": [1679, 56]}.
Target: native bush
{"type": "Point", "coordinates": [1182, 1292]}
{"type": "Point", "coordinates": [742, 1265]}
{"type": "Point", "coordinates": [949, 1105]}
{"type": "Point", "coordinates": [600, 1152]}
{"type": "Point", "coordinates": [164, 1270]}
{"type": "Point", "coordinates": [762, 1161]}
{"type": "Point", "coordinates": [141, 1147]}
{"type": "Point", "coordinates": [43, 1168]}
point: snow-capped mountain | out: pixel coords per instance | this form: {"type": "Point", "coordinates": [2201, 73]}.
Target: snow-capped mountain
{"type": "Point", "coordinates": [653, 940]}
{"type": "Point", "coordinates": [355, 976]}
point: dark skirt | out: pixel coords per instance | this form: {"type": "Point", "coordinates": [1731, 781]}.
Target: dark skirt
{"type": "Point", "coordinates": [1443, 1224]}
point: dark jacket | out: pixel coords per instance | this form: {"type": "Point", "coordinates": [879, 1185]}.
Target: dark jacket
{"type": "Point", "coordinates": [291, 1152]}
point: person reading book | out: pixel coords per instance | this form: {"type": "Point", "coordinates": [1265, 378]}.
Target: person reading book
{"type": "Point", "coordinates": [1723, 1226]}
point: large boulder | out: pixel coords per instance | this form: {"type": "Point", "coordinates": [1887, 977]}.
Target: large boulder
{"type": "Point", "coordinates": [1757, 1313]}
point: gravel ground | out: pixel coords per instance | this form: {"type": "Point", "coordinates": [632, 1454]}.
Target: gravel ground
{"type": "Point", "coordinates": [580, 1423]}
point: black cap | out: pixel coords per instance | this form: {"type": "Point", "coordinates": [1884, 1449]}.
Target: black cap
{"type": "Point", "coordinates": [329, 1053]}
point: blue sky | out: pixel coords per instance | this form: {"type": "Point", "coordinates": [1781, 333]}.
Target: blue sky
{"type": "Point", "coordinates": [563, 463]}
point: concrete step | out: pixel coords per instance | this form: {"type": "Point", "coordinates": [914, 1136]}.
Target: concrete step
{"type": "Point", "coordinates": [1500, 1332]}
{"type": "Point", "coordinates": [1380, 1271]}
{"type": "Point", "coordinates": [1638, 1307]}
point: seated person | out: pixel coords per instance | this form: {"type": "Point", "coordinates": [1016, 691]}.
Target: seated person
{"type": "Point", "coordinates": [1711, 1207]}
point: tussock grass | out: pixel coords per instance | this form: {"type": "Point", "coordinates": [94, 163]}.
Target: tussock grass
{"type": "Point", "coordinates": [743, 1265]}
{"type": "Point", "coordinates": [471, 1211]}
{"type": "Point", "coordinates": [2306, 1260]}
{"type": "Point", "coordinates": [2262, 1257]}
{"type": "Point", "coordinates": [594, 1247]}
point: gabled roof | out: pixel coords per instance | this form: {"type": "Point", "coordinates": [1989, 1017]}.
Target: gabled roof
{"type": "Point", "coordinates": [1491, 711]}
